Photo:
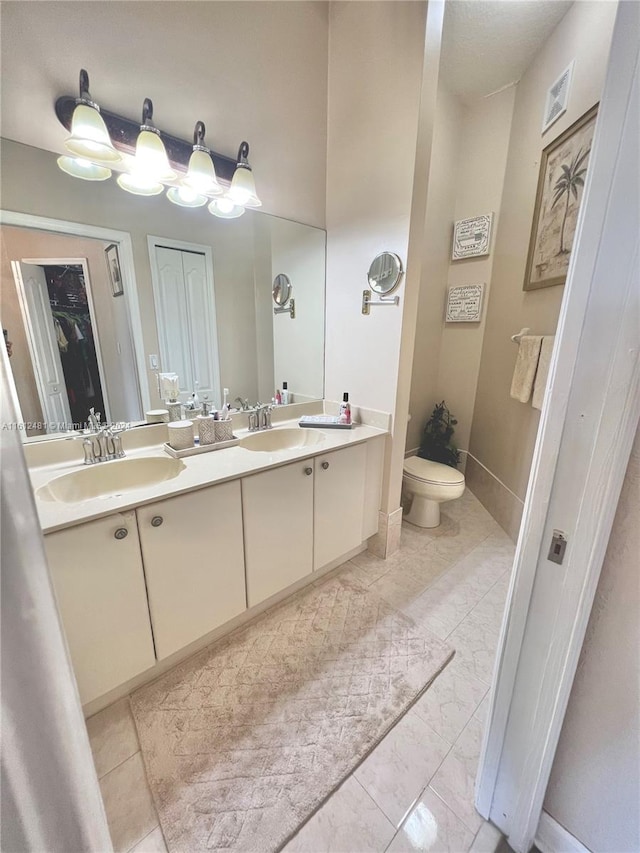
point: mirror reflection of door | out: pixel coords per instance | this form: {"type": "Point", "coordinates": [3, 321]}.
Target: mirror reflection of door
{"type": "Point", "coordinates": [65, 353]}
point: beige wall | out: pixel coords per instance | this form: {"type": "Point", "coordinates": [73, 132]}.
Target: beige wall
{"type": "Point", "coordinates": [250, 70]}
{"type": "Point", "coordinates": [503, 431]}
{"type": "Point", "coordinates": [372, 128]}
{"type": "Point", "coordinates": [480, 180]}
{"type": "Point", "coordinates": [112, 328]}
{"type": "Point", "coordinates": [441, 201]}
{"type": "Point", "coordinates": [594, 790]}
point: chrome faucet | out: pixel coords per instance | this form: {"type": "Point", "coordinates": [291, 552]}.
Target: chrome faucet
{"type": "Point", "coordinates": [101, 443]}
{"type": "Point", "coordinates": [260, 418]}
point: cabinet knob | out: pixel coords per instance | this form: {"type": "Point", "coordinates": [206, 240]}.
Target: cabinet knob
{"type": "Point", "coordinates": [308, 471]}
{"type": "Point", "coordinates": [156, 521]}
{"type": "Point", "coordinates": [325, 465]}
{"type": "Point", "coordinates": [121, 533]}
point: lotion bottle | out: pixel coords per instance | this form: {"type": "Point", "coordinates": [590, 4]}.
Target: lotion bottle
{"type": "Point", "coordinates": [345, 410]}
{"type": "Point", "coordinates": [285, 394]}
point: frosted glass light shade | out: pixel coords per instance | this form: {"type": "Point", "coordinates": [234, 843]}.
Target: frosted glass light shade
{"type": "Point", "coordinates": [78, 167]}
{"type": "Point", "coordinates": [89, 135]}
{"type": "Point", "coordinates": [186, 197]}
{"type": "Point", "coordinates": [151, 161]}
{"type": "Point", "coordinates": [139, 184]}
{"type": "Point", "coordinates": [201, 175]}
{"type": "Point", "coordinates": [243, 188]}
{"type": "Point", "coordinates": [224, 208]}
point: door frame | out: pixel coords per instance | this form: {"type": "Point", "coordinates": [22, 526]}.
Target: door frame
{"type": "Point", "coordinates": [582, 450]}
{"type": "Point", "coordinates": [43, 262]}
{"type": "Point", "coordinates": [125, 253]}
{"type": "Point", "coordinates": [198, 249]}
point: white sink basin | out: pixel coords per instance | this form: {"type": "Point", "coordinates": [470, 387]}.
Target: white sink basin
{"type": "Point", "coordinates": [110, 479]}
{"type": "Point", "coordinates": [282, 439]}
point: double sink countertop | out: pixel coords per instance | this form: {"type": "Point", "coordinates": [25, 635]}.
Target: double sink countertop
{"type": "Point", "coordinates": [204, 469]}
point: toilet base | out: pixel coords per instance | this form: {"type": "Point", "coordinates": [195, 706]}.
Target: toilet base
{"type": "Point", "coordinates": [424, 512]}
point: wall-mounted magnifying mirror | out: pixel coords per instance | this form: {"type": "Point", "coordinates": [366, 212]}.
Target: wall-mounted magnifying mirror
{"type": "Point", "coordinates": [281, 289]}
{"type": "Point", "coordinates": [385, 273]}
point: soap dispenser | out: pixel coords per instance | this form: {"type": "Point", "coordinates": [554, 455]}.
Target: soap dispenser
{"type": "Point", "coordinates": [206, 426]}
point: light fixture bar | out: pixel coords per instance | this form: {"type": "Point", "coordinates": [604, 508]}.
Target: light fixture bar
{"type": "Point", "coordinates": [124, 133]}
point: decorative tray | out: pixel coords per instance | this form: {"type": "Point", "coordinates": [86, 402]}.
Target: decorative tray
{"type": "Point", "coordinates": [197, 448]}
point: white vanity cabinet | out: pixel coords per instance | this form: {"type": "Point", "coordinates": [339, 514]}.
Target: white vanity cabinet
{"type": "Point", "coordinates": [278, 528]}
{"type": "Point", "coordinates": [339, 485]}
{"type": "Point", "coordinates": [98, 579]}
{"type": "Point", "coordinates": [194, 564]}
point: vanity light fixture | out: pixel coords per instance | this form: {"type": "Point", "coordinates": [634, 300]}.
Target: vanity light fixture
{"type": "Point", "coordinates": [150, 164]}
{"type": "Point", "coordinates": [243, 186]}
{"type": "Point", "coordinates": [89, 135]}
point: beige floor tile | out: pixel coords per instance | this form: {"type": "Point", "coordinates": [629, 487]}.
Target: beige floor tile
{"type": "Point", "coordinates": [482, 711]}
{"type": "Point", "coordinates": [152, 843]}
{"type": "Point", "coordinates": [451, 701]}
{"type": "Point", "coordinates": [348, 821]}
{"type": "Point", "coordinates": [113, 736]}
{"type": "Point", "coordinates": [401, 765]}
{"type": "Point", "coordinates": [431, 826]}
{"type": "Point", "coordinates": [455, 780]}
{"type": "Point", "coordinates": [131, 814]}
{"type": "Point", "coordinates": [487, 839]}
{"type": "Point", "coordinates": [475, 644]}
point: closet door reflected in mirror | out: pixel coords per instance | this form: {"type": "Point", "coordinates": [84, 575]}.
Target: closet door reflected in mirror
{"type": "Point", "coordinates": [184, 298]}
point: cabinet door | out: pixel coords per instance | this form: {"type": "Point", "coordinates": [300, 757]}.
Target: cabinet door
{"type": "Point", "coordinates": [194, 564]}
{"type": "Point", "coordinates": [338, 503]}
{"type": "Point", "coordinates": [99, 584]}
{"type": "Point", "coordinates": [278, 528]}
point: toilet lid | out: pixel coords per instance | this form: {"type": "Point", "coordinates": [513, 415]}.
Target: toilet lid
{"type": "Point", "coordinates": [432, 472]}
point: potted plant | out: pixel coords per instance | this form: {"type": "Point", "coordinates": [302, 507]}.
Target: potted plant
{"type": "Point", "coordinates": [436, 438]}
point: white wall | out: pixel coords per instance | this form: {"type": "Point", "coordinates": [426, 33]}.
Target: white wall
{"type": "Point", "coordinates": [375, 67]}
{"type": "Point", "coordinates": [594, 789]}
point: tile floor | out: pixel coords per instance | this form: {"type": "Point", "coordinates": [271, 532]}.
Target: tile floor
{"type": "Point", "coordinates": [415, 790]}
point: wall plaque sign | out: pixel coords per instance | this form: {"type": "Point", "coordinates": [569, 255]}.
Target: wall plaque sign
{"type": "Point", "coordinates": [471, 237]}
{"type": "Point", "coordinates": [464, 303]}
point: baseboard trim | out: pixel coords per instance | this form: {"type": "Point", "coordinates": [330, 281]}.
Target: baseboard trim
{"type": "Point", "coordinates": [497, 479]}
{"type": "Point", "coordinates": [496, 497]}
{"type": "Point", "coordinates": [552, 837]}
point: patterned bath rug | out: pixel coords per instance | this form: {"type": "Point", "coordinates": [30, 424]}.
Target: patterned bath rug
{"type": "Point", "coordinates": [244, 741]}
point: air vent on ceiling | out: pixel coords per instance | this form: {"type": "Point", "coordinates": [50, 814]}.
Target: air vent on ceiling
{"type": "Point", "coordinates": [557, 98]}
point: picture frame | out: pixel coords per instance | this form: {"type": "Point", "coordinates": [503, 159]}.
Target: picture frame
{"type": "Point", "coordinates": [464, 303]}
{"type": "Point", "coordinates": [472, 237]}
{"type": "Point", "coordinates": [113, 269]}
{"type": "Point", "coordinates": [563, 169]}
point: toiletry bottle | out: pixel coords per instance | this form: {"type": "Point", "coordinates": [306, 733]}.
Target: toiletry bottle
{"type": "Point", "coordinates": [194, 396]}
{"type": "Point", "coordinates": [285, 394]}
{"type": "Point", "coordinates": [345, 410]}
{"type": "Point", "coordinates": [278, 397]}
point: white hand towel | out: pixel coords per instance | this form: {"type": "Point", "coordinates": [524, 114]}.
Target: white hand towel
{"type": "Point", "coordinates": [540, 386]}
{"type": "Point", "coordinates": [526, 365]}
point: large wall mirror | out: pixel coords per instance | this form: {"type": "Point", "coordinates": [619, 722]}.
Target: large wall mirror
{"type": "Point", "coordinates": [102, 290]}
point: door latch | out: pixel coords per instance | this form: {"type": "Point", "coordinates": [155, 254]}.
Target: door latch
{"type": "Point", "coordinates": [558, 547]}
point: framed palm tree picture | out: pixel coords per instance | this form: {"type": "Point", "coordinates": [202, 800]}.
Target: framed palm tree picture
{"type": "Point", "coordinates": [563, 169]}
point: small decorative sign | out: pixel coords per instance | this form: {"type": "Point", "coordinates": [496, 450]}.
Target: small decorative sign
{"type": "Point", "coordinates": [464, 303]}
{"type": "Point", "coordinates": [471, 237]}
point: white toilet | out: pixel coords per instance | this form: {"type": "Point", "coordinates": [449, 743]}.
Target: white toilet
{"type": "Point", "coordinates": [430, 484]}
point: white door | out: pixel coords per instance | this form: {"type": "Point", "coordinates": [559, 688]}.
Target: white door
{"type": "Point", "coordinates": [185, 316]}
{"type": "Point", "coordinates": [41, 335]}
{"type": "Point", "coordinates": [99, 584]}
{"type": "Point", "coordinates": [338, 503]}
{"type": "Point", "coordinates": [194, 564]}
{"type": "Point", "coordinates": [278, 528]}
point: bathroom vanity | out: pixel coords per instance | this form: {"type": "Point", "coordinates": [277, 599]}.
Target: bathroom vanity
{"type": "Point", "coordinates": [146, 575]}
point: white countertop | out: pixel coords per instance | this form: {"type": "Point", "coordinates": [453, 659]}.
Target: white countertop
{"type": "Point", "coordinates": [203, 470]}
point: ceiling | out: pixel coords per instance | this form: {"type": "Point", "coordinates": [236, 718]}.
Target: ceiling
{"type": "Point", "coordinates": [488, 44]}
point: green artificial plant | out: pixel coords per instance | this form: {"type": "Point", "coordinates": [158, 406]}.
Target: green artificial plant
{"type": "Point", "coordinates": [436, 437]}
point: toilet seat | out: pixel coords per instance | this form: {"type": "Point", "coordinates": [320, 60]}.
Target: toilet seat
{"type": "Point", "coordinates": [436, 473]}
